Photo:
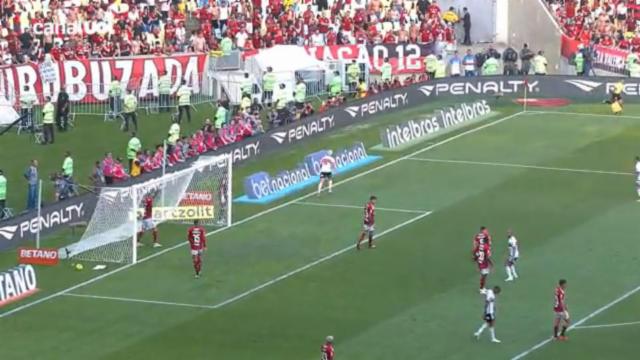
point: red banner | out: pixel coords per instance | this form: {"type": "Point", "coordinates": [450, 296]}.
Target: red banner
{"type": "Point", "coordinates": [611, 59]}
{"type": "Point", "coordinates": [88, 80]}
{"type": "Point", "coordinates": [38, 256]}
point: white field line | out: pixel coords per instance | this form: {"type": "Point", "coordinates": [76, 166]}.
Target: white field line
{"type": "Point", "coordinates": [259, 287]}
{"type": "Point", "coordinates": [155, 302]}
{"type": "Point", "coordinates": [549, 168]}
{"type": "Point", "coordinates": [258, 215]}
{"type": "Point", "coordinates": [316, 262]}
{"type": "Point", "coordinates": [606, 325]}
{"type": "Point", "coordinates": [583, 114]}
{"type": "Point", "coordinates": [579, 322]}
{"type": "Point", "coordinates": [408, 211]}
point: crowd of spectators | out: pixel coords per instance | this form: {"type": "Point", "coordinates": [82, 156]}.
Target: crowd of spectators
{"type": "Point", "coordinates": [77, 29]}
{"type": "Point", "coordinates": [611, 23]}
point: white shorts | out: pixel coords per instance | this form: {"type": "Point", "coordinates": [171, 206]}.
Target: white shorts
{"type": "Point", "coordinates": [484, 271]}
{"type": "Point", "coordinates": [562, 315]}
{"type": "Point", "coordinates": [148, 224]}
{"type": "Point", "coordinates": [196, 252]}
{"type": "Point", "coordinates": [368, 228]}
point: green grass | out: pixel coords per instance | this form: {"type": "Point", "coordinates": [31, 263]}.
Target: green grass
{"type": "Point", "coordinates": [415, 297]}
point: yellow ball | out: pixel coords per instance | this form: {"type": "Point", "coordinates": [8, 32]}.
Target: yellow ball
{"type": "Point", "coordinates": [79, 267]}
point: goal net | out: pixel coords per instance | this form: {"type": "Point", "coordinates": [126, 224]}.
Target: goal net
{"type": "Point", "coordinates": [201, 191]}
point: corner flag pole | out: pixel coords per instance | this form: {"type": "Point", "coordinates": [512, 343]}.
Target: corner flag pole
{"type": "Point", "coordinates": [39, 213]}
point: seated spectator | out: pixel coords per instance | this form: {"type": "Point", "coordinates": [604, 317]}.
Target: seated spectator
{"type": "Point", "coordinates": [118, 171]}
{"type": "Point", "coordinates": [307, 110]}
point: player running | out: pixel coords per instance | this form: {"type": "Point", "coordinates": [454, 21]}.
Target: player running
{"type": "Point", "coordinates": [483, 259]}
{"type": "Point", "coordinates": [327, 165]}
{"type": "Point", "coordinates": [489, 314]}
{"type": "Point", "coordinates": [147, 221]}
{"type": "Point", "coordinates": [327, 350]}
{"type": "Point", "coordinates": [514, 253]}
{"type": "Point", "coordinates": [561, 310]}
{"type": "Point", "coordinates": [638, 176]}
{"type": "Point", "coordinates": [368, 223]}
{"type": "Point", "coordinates": [198, 243]}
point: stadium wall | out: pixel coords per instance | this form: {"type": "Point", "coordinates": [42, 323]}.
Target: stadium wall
{"type": "Point", "coordinates": [16, 231]}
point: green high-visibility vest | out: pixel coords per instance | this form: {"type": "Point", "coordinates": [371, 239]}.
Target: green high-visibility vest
{"type": "Point", "coordinates": [431, 63]}
{"type": "Point", "coordinates": [441, 69]}
{"type": "Point", "coordinates": [133, 147]}
{"type": "Point", "coordinates": [353, 72]}
{"type": "Point", "coordinates": [579, 60]}
{"type": "Point", "coordinates": [130, 103]}
{"type": "Point", "coordinates": [246, 86]}
{"type": "Point", "coordinates": [268, 81]}
{"type": "Point", "coordinates": [114, 88]}
{"type": "Point", "coordinates": [634, 70]}
{"type": "Point", "coordinates": [490, 66]}
{"type": "Point", "coordinates": [67, 166]}
{"type": "Point", "coordinates": [386, 70]}
{"type": "Point", "coordinates": [281, 103]}
{"type": "Point", "coordinates": [226, 45]}
{"type": "Point", "coordinates": [164, 85]}
{"type": "Point", "coordinates": [174, 133]}
{"type": "Point", "coordinates": [540, 64]}
{"type": "Point", "coordinates": [301, 92]}
{"type": "Point", "coordinates": [47, 113]}
{"type": "Point", "coordinates": [3, 187]}
{"type": "Point", "coordinates": [221, 117]}
{"type": "Point", "coordinates": [184, 96]}
{"type": "Point", "coordinates": [335, 86]}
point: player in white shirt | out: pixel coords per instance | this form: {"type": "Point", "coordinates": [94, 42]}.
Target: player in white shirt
{"type": "Point", "coordinates": [489, 313]}
{"type": "Point", "coordinates": [638, 176]}
{"type": "Point", "coordinates": [327, 165]}
{"type": "Point", "coordinates": [514, 253]}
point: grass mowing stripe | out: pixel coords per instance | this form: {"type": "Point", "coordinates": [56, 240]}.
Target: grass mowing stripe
{"type": "Point", "coordinates": [606, 325]}
{"type": "Point", "coordinates": [260, 214]}
{"type": "Point", "coordinates": [156, 302]}
{"type": "Point", "coordinates": [580, 322]}
{"type": "Point", "coordinates": [314, 263]}
{"type": "Point", "coordinates": [583, 114]}
{"type": "Point", "coordinates": [309, 203]}
{"type": "Point", "coordinates": [550, 168]}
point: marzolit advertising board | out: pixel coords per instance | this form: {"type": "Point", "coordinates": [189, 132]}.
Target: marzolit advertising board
{"type": "Point", "coordinates": [15, 231]}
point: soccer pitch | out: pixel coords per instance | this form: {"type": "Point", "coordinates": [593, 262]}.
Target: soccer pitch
{"type": "Point", "coordinates": [284, 276]}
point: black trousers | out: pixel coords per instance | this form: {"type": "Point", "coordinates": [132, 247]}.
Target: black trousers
{"type": "Point", "coordinates": [62, 121]}
{"type": "Point", "coordinates": [131, 116]}
{"type": "Point", "coordinates": [186, 109]}
{"type": "Point", "coordinates": [164, 103]}
{"type": "Point", "coordinates": [467, 36]}
{"type": "Point", "coordinates": [2, 206]}
{"type": "Point", "coordinates": [48, 133]}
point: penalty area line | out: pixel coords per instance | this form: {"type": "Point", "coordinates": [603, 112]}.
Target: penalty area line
{"type": "Point", "coordinates": [408, 211]}
{"type": "Point", "coordinates": [316, 262]}
{"type": "Point", "coordinates": [579, 322]}
{"type": "Point", "coordinates": [258, 215]}
{"type": "Point", "coordinates": [606, 325]}
{"type": "Point", "coordinates": [123, 299]}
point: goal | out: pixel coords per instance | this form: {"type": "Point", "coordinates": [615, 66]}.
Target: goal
{"type": "Point", "coordinates": [201, 191]}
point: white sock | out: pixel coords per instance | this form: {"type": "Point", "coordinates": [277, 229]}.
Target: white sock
{"type": "Point", "coordinates": [493, 333]}
{"type": "Point", "coordinates": [484, 326]}
{"type": "Point", "coordinates": [638, 192]}
{"type": "Point", "coordinates": [330, 185]}
{"type": "Point", "coordinates": [319, 187]}
{"type": "Point", "coordinates": [513, 271]}
{"type": "Point", "coordinates": [508, 268]}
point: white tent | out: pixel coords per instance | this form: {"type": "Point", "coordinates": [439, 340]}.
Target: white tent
{"type": "Point", "coordinates": [286, 61]}
{"type": "Point", "coordinates": [7, 113]}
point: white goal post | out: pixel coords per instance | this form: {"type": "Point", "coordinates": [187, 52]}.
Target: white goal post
{"type": "Point", "coordinates": [201, 191]}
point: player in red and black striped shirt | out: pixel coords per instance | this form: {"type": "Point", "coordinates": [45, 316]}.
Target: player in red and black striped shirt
{"type": "Point", "coordinates": [198, 244]}
{"type": "Point", "coordinates": [561, 311]}
{"type": "Point", "coordinates": [326, 351]}
{"type": "Point", "coordinates": [368, 222]}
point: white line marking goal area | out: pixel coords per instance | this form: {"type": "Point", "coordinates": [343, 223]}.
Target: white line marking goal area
{"type": "Point", "coordinates": [522, 166]}
{"type": "Point", "coordinates": [262, 286]}
{"type": "Point", "coordinates": [341, 206]}
{"type": "Point", "coordinates": [579, 323]}
{"type": "Point", "coordinates": [602, 326]}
